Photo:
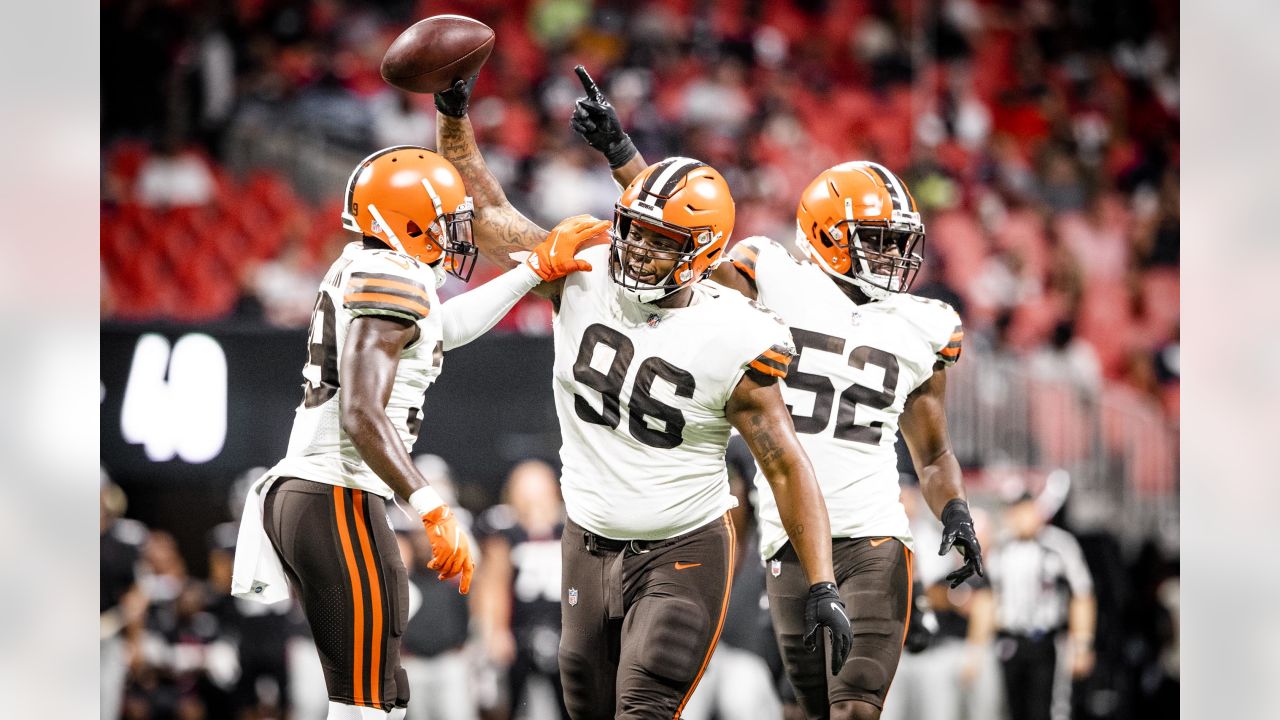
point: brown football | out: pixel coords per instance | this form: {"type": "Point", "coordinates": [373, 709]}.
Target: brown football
{"type": "Point", "coordinates": [436, 52]}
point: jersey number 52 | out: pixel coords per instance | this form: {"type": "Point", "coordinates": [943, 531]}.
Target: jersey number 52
{"type": "Point", "coordinates": [824, 390]}
{"type": "Point", "coordinates": [642, 404]}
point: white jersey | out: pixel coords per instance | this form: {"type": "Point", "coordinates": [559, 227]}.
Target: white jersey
{"type": "Point", "coordinates": [641, 392]}
{"type": "Point", "coordinates": [362, 281]}
{"type": "Point", "coordinates": [854, 368]}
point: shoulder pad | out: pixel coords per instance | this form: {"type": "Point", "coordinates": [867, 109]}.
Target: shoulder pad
{"type": "Point", "coordinates": [937, 321]}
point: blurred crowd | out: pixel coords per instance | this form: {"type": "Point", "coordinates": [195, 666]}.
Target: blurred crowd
{"type": "Point", "coordinates": [1040, 137]}
{"type": "Point", "coordinates": [1071, 624]}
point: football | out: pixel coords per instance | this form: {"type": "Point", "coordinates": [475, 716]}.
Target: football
{"type": "Point", "coordinates": [436, 52]}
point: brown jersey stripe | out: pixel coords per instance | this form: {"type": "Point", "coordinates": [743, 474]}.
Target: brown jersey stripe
{"type": "Point", "coordinates": [391, 296]}
{"type": "Point", "coordinates": [766, 369]}
{"type": "Point", "coordinates": [401, 294]}
{"type": "Point", "coordinates": [732, 553]}
{"type": "Point", "coordinates": [950, 351]}
{"type": "Point", "coordinates": [774, 359]}
{"type": "Point", "coordinates": [778, 354]}
{"type": "Point", "coordinates": [360, 511]}
{"type": "Point", "coordinates": [744, 257]}
{"type": "Point", "coordinates": [384, 277]}
{"type": "Point", "coordinates": [407, 290]}
{"type": "Point", "coordinates": [384, 301]}
{"type": "Point", "coordinates": [357, 594]}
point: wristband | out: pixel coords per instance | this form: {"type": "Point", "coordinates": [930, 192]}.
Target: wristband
{"type": "Point", "coordinates": [621, 153]}
{"type": "Point", "coordinates": [425, 499]}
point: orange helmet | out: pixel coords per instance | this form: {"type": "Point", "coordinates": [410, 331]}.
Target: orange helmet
{"type": "Point", "coordinates": [412, 199]}
{"type": "Point", "coordinates": [682, 199]}
{"type": "Point", "coordinates": [859, 223]}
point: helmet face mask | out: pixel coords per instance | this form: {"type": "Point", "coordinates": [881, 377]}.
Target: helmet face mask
{"type": "Point", "coordinates": [670, 225]}
{"type": "Point", "coordinates": [667, 252]}
{"type": "Point", "coordinates": [858, 222]}
{"type": "Point", "coordinates": [460, 251]}
{"type": "Point", "coordinates": [886, 258]}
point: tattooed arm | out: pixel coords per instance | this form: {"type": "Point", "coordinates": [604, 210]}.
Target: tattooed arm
{"type": "Point", "coordinates": [497, 228]}
{"type": "Point", "coordinates": [756, 409]}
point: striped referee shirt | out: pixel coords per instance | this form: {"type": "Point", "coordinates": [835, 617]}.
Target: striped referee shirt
{"type": "Point", "coordinates": [1035, 578]}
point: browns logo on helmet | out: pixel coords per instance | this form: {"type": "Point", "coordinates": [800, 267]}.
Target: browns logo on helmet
{"type": "Point", "coordinates": [859, 223]}
{"type": "Point", "coordinates": [412, 200]}
{"type": "Point", "coordinates": [684, 200]}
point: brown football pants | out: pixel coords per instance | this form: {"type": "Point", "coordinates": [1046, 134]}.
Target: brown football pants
{"type": "Point", "coordinates": [344, 565]}
{"type": "Point", "coordinates": [640, 619]}
{"type": "Point", "coordinates": [874, 578]}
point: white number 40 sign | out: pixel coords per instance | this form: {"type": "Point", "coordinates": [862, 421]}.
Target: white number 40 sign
{"type": "Point", "coordinates": [175, 402]}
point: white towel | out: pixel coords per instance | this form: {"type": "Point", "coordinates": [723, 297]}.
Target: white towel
{"type": "Point", "coordinates": [257, 574]}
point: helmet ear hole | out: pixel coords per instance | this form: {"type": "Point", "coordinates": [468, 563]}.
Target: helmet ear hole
{"type": "Point", "coordinates": [825, 238]}
{"type": "Point", "coordinates": [413, 229]}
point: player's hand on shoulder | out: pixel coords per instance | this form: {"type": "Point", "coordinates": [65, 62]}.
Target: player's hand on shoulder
{"type": "Point", "coordinates": [597, 122]}
{"type": "Point", "coordinates": [824, 608]}
{"type": "Point", "coordinates": [553, 258]}
{"type": "Point", "coordinates": [450, 550]}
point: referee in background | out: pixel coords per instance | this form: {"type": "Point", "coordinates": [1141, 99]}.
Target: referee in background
{"type": "Point", "coordinates": [1042, 586]}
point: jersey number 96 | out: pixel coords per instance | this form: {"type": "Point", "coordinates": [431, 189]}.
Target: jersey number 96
{"type": "Point", "coordinates": [642, 404]}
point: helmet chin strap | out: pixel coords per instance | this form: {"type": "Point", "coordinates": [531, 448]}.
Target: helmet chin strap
{"type": "Point", "coordinates": [391, 234]}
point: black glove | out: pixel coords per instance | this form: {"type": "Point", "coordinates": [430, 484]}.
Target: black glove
{"type": "Point", "coordinates": [453, 102]}
{"type": "Point", "coordinates": [957, 530]}
{"type": "Point", "coordinates": [923, 625]}
{"type": "Point", "coordinates": [597, 122]}
{"type": "Point", "coordinates": [825, 609]}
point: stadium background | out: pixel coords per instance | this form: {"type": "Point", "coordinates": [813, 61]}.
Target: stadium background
{"type": "Point", "coordinates": [1041, 139]}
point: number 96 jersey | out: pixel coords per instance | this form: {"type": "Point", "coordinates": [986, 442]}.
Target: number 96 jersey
{"type": "Point", "coordinates": [641, 391]}
{"type": "Point", "coordinates": [855, 366]}
{"type": "Point", "coordinates": [363, 281]}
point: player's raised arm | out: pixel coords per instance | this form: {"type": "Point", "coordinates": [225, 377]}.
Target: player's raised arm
{"type": "Point", "coordinates": [597, 122]}
{"type": "Point", "coordinates": [757, 410]}
{"type": "Point", "coordinates": [924, 427]}
{"type": "Point", "coordinates": [367, 375]}
{"type": "Point", "coordinates": [498, 228]}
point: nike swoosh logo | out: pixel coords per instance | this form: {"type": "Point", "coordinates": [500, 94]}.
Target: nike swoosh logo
{"type": "Point", "coordinates": [686, 566]}
{"type": "Point", "coordinates": [879, 542]}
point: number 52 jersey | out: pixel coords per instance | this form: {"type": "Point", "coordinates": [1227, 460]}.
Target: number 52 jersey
{"type": "Point", "coordinates": [641, 391]}
{"type": "Point", "coordinates": [854, 368]}
{"type": "Point", "coordinates": [362, 281]}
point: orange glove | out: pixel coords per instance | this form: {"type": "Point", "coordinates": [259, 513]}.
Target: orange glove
{"type": "Point", "coordinates": [554, 257]}
{"type": "Point", "coordinates": [450, 553]}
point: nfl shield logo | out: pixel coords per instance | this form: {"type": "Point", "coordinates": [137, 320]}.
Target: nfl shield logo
{"type": "Point", "coordinates": [775, 567]}
{"type": "Point", "coordinates": [573, 596]}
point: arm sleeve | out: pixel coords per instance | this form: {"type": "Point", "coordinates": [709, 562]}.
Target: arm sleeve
{"type": "Point", "coordinates": [469, 315]}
